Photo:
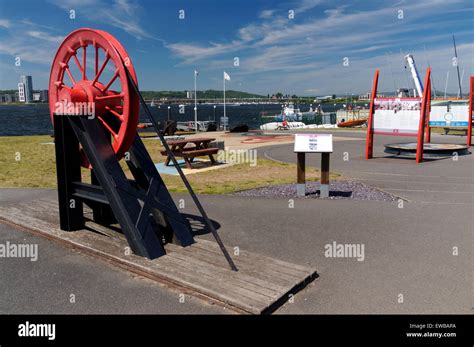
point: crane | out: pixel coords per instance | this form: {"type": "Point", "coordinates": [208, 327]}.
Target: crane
{"type": "Point", "coordinates": [414, 74]}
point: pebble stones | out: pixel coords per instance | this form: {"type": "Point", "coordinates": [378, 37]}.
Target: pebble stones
{"type": "Point", "coordinates": [349, 190]}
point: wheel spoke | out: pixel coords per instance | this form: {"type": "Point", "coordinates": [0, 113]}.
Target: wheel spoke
{"type": "Point", "coordinates": [107, 58]}
{"type": "Point", "coordinates": [96, 59]}
{"type": "Point", "coordinates": [109, 96]}
{"type": "Point", "coordinates": [74, 55]}
{"type": "Point", "coordinates": [60, 84]}
{"type": "Point", "coordinates": [108, 127]}
{"type": "Point", "coordinates": [78, 64]}
{"type": "Point", "coordinates": [66, 67]}
{"type": "Point", "coordinates": [114, 77]}
{"type": "Point", "coordinates": [115, 113]}
{"type": "Point", "coordinates": [70, 76]}
{"type": "Point", "coordinates": [84, 55]}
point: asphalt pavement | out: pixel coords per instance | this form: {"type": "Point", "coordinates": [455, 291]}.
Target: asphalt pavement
{"type": "Point", "coordinates": [417, 255]}
{"type": "Point", "coordinates": [443, 181]}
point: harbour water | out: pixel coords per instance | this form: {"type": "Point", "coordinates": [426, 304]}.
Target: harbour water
{"type": "Point", "coordinates": [34, 119]}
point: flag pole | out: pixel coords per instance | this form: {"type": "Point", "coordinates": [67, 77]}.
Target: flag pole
{"type": "Point", "coordinates": [224, 105]}
{"type": "Point", "coordinates": [195, 102]}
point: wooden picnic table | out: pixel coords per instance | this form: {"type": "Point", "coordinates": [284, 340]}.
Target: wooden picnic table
{"type": "Point", "coordinates": [189, 149]}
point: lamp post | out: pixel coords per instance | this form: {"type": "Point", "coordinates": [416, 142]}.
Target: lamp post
{"type": "Point", "coordinates": [169, 112]}
{"type": "Point", "coordinates": [214, 113]}
{"type": "Point", "coordinates": [226, 77]}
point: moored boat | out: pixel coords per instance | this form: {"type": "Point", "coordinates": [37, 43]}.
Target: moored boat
{"type": "Point", "coordinates": [282, 125]}
{"type": "Point", "coordinates": [351, 123]}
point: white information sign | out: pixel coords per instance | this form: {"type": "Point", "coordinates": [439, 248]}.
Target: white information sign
{"type": "Point", "coordinates": [313, 143]}
{"type": "Point", "coordinates": [397, 116]}
{"type": "Point", "coordinates": [449, 113]}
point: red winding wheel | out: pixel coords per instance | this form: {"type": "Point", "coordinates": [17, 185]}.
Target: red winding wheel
{"type": "Point", "coordinates": [72, 80]}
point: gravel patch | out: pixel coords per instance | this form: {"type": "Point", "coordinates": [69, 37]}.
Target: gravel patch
{"type": "Point", "coordinates": [349, 190]}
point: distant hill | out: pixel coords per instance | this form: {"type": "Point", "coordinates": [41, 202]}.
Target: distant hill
{"type": "Point", "coordinates": [170, 94]}
{"type": "Point", "coordinates": [201, 94]}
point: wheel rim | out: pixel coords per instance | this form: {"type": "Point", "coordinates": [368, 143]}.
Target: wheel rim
{"type": "Point", "coordinates": [77, 80]}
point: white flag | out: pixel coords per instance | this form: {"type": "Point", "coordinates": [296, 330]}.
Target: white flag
{"type": "Point", "coordinates": [226, 76]}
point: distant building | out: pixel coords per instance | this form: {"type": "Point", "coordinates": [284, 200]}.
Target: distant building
{"type": "Point", "coordinates": [365, 96]}
{"type": "Point", "coordinates": [27, 82]}
{"type": "Point", "coordinates": [40, 95]}
{"type": "Point", "coordinates": [21, 92]}
{"type": "Point", "coordinates": [44, 95]}
{"type": "Point", "coordinates": [8, 98]}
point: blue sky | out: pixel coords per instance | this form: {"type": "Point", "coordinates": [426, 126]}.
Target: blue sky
{"type": "Point", "coordinates": [302, 55]}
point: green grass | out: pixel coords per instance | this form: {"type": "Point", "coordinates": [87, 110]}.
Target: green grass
{"type": "Point", "coordinates": [440, 130]}
{"type": "Point", "coordinates": [36, 168]}
{"type": "Point", "coordinates": [26, 162]}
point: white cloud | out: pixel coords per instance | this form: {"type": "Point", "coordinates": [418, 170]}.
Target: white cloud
{"type": "Point", "coordinates": [41, 35]}
{"type": "Point", "coordinates": [357, 77]}
{"type": "Point", "coordinates": [265, 14]}
{"type": "Point", "coordinates": [310, 49]}
{"type": "Point", "coordinates": [305, 5]}
{"type": "Point", "coordinates": [192, 53]}
{"type": "Point", "coordinates": [122, 14]}
{"type": "Point", "coordinates": [30, 44]}
{"type": "Point", "coordinates": [5, 23]}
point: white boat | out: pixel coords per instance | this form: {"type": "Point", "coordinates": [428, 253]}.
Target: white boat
{"type": "Point", "coordinates": [290, 113]}
{"type": "Point", "coordinates": [227, 104]}
{"type": "Point", "coordinates": [293, 118]}
{"type": "Point", "coordinates": [281, 125]}
{"type": "Point", "coordinates": [202, 126]}
{"type": "Point", "coordinates": [289, 118]}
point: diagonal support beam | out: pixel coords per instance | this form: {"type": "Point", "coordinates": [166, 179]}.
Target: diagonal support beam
{"type": "Point", "coordinates": [198, 204]}
{"type": "Point", "coordinates": [145, 212]}
{"type": "Point", "coordinates": [144, 242]}
{"type": "Point", "coordinates": [143, 170]}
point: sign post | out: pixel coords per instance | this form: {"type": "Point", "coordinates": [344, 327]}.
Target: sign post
{"type": "Point", "coordinates": [324, 186]}
{"type": "Point", "coordinates": [313, 143]}
{"type": "Point", "coordinates": [301, 174]}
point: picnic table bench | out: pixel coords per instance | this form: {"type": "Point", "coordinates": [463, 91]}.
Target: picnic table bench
{"type": "Point", "coordinates": [447, 130]}
{"type": "Point", "coordinates": [199, 147]}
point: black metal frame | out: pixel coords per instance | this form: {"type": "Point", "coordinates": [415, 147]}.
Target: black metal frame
{"type": "Point", "coordinates": [144, 208]}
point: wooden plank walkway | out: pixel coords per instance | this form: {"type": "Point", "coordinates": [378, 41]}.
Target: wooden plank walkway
{"type": "Point", "coordinates": [261, 285]}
